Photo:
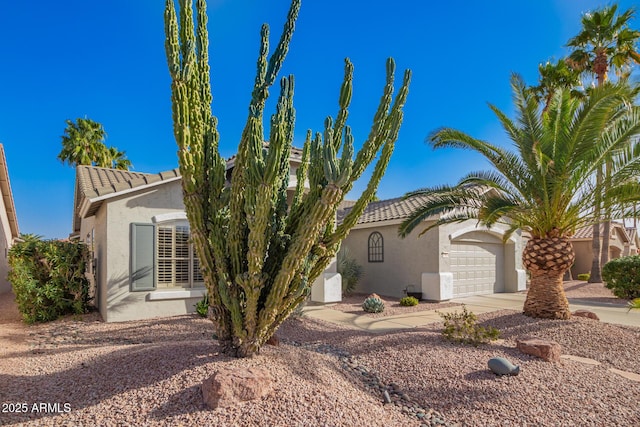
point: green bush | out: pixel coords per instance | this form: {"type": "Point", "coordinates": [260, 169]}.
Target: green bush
{"type": "Point", "coordinates": [622, 276]}
{"type": "Point", "coordinates": [634, 304]}
{"type": "Point", "coordinates": [350, 271]}
{"type": "Point", "coordinates": [48, 278]}
{"type": "Point", "coordinates": [409, 301]}
{"type": "Point", "coordinates": [462, 327]}
{"type": "Point", "coordinates": [202, 306]}
{"type": "Point", "coordinates": [584, 276]}
{"type": "Point", "coordinates": [373, 305]}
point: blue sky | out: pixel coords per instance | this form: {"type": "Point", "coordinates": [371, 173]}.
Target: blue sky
{"type": "Point", "coordinates": [105, 60]}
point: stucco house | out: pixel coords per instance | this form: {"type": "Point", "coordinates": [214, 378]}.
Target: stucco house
{"type": "Point", "coordinates": [8, 222]}
{"type": "Point", "coordinates": [623, 242]}
{"type": "Point", "coordinates": [135, 225]}
{"type": "Point", "coordinates": [449, 261]}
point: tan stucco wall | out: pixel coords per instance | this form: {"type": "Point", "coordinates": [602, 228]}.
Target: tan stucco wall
{"type": "Point", "coordinates": [405, 260]}
{"type": "Point", "coordinates": [584, 253]}
{"type": "Point", "coordinates": [5, 244]}
{"type": "Point", "coordinates": [112, 226]}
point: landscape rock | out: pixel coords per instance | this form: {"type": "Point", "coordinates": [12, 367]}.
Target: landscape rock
{"type": "Point", "coordinates": [501, 366]}
{"type": "Point", "coordinates": [549, 351]}
{"type": "Point", "coordinates": [585, 313]}
{"type": "Point", "coordinates": [230, 386]}
{"type": "Point", "coordinates": [374, 295]}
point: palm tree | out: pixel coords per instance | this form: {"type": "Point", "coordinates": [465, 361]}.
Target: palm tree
{"type": "Point", "coordinates": [555, 76]}
{"type": "Point", "coordinates": [114, 159]}
{"type": "Point", "coordinates": [543, 186]}
{"type": "Point", "coordinates": [82, 142]}
{"type": "Point", "coordinates": [605, 42]}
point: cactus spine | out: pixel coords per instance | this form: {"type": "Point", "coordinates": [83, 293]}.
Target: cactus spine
{"type": "Point", "coordinates": [258, 255]}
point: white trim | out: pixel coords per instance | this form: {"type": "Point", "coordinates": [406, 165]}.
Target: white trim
{"type": "Point", "coordinates": [170, 216]}
{"type": "Point", "coordinates": [498, 232]}
{"type": "Point", "coordinates": [181, 294]}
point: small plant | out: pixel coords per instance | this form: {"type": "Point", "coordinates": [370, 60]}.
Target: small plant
{"type": "Point", "coordinates": [373, 305]}
{"type": "Point", "coordinates": [202, 306]}
{"type": "Point", "coordinates": [634, 304]}
{"type": "Point", "coordinates": [409, 301]}
{"type": "Point", "coordinates": [462, 327]}
{"type": "Point", "coordinates": [350, 271]}
{"type": "Point", "coordinates": [622, 276]}
{"type": "Point", "coordinates": [584, 276]}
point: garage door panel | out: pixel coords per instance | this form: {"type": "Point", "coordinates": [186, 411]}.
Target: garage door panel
{"type": "Point", "coordinates": [476, 268]}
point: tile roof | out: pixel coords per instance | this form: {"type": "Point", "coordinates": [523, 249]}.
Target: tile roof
{"type": "Point", "coordinates": [7, 197]}
{"type": "Point", "coordinates": [386, 210]}
{"type": "Point", "coordinates": [98, 183]}
{"type": "Point", "coordinates": [296, 155]}
{"type": "Point", "coordinates": [95, 181]}
{"type": "Point", "coordinates": [585, 233]}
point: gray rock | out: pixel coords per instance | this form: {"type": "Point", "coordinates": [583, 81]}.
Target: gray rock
{"type": "Point", "coordinates": [501, 366]}
{"type": "Point", "coordinates": [387, 398]}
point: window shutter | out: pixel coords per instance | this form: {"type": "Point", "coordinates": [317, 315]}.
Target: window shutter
{"type": "Point", "coordinates": [143, 254]}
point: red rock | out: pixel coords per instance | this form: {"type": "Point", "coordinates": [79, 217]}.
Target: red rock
{"type": "Point", "coordinates": [230, 386]}
{"type": "Point", "coordinates": [545, 349]}
{"type": "Point", "coordinates": [374, 295]}
{"type": "Point", "coordinates": [585, 313]}
{"type": "Point", "coordinates": [274, 340]}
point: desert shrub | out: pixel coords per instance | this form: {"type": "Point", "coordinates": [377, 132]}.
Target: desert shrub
{"type": "Point", "coordinates": [373, 305]}
{"type": "Point", "coordinates": [622, 276]}
{"type": "Point", "coordinates": [48, 278]}
{"type": "Point", "coordinates": [409, 301]}
{"type": "Point", "coordinates": [584, 276]}
{"type": "Point", "coordinates": [634, 304]}
{"type": "Point", "coordinates": [202, 306]}
{"type": "Point", "coordinates": [463, 328]}
{"type": "Point", "coordinates": [350, 271]}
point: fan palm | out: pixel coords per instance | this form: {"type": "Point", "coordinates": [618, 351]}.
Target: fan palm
{"type": "Point", "coordinates": [115, 159]}
{"type": "Point", "coordinates": [605, 42]}
{"type": "Point", "coordinates": [555, 76]}
{"type": "Point", "coordinates": [82, 142]}
{"type": "Point", "coordinates": [544, 185]}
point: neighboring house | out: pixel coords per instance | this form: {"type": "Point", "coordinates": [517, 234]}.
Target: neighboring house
{"type": "Point", "coordinates": [449, 261]}
{"type": "Point", "coordinates": [144, 265]}
{"type": "Point", "coordinates": [623, 242]}
{"type": "Point", "coordinates": [8, 222]}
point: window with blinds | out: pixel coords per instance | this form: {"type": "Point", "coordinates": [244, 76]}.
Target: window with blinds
{"type": "Point", "coordinates": [178, 265]}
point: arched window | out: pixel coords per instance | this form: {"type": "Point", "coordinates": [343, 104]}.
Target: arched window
{"type": "Point", "coordinates": [376, 247]}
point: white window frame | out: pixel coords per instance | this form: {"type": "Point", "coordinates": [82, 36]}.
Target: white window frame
{"type": "Point", "coordinates": [191, 282]}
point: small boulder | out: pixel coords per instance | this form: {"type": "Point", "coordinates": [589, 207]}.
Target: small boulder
{"type": "Point", "coordinates": [374, 295]}
{"type": "Point", "coordinates": [585, 313]}
{"type": "Point", "coordinates": [549, 351]}
{"type": "Point", "coordinates": [230, 386]}
{"type": "Point", "coordinates": [501, 366]}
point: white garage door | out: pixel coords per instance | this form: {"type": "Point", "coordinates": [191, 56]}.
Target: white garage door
{"type": "Point", "coordinates": [477, 268]}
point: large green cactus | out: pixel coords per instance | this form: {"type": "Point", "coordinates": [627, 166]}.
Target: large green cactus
{"type": "Point", "coordinates": [258, 255]}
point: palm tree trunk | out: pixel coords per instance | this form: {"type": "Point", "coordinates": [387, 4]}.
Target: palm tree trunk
{"type": "Point", "coordinates": [547, 259]}
{"type": "Point", "coordinates": [606, 233]}
{"type": "Point", "coordinates": [546, 298]}
{"type": "Point", "coordinates": [595, 276]}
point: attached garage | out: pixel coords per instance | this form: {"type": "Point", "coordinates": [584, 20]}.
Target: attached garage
{"type": "Point", "coordinates": [477, 268]}
{"type": "Point", "coordinates": [448, 261]}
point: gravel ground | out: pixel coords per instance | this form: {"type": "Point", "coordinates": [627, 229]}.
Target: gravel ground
{"type": "Point", "coordinates": [353, 304]}
{"type": "Point", "coordinates": [149, 373]}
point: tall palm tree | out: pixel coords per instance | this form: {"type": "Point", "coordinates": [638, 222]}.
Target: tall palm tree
{"type": "Point", "coordinates": [543, 186]}
{"type": "Point", "coordinates": [555, 76]}
{"type": "Point", "coordinates": [82, 142]}
{"type": "Point", "coordinates": [114, 159]}
{"type": "Point", "coordinates": [605, 42]}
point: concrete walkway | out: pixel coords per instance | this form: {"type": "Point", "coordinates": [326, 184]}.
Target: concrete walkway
{"type": "Point", "coordinates": [608, 313]}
